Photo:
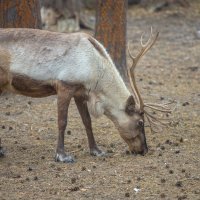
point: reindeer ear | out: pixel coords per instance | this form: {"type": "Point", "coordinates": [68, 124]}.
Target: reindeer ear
{"type": "Point", "coordinates": [130, 106]}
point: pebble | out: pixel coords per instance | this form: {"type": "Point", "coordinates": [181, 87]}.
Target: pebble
{"type": "Point", "coordinates": [186, 103]}
{"type": "Point", "coordinates": [177, 151]}
{"type": "Point", "coordinates": [30, 169]}
{"type": "Point", "coordinates": [68, 132]}
{"type": "Point", "coordinates": [74, 189]}
{"type": "Point", "coordinates": [83, 168]}
{"type": "Point", "coordinates": [162, 180]}
{"type": "Point", "coordinates": [127, 194]}
{"type": "Point", "coordinates": [73, 180]}
{"type": "Point", "coordinates": [162, 195]}
{"type": "Point", "coordinates": [179, 184]}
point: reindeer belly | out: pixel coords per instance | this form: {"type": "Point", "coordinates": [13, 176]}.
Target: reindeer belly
{"type": "Point", "coordinates": [31, 87]}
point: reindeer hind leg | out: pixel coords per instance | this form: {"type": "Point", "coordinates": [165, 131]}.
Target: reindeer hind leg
{"type": "Point", "coordinates": [65, 93]}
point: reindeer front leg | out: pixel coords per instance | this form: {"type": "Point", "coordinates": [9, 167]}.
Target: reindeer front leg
{"type": "Point", "coordinates": [65, 94]}
{"type": "Point", "coordinates": [85, 116]}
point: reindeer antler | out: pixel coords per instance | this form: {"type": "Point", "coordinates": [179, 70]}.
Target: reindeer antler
{"type": "Point", "coordinates": [153, 121]}
{"type": "Point", "coordinates": [162, 109]}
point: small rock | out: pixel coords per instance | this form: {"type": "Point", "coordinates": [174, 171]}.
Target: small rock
{"type": "Point", "coordinates": [129, 181]}
{"type": "Point", "coordinates": [136, 189]}
{"type": "Point", "coordinates": [162, 147]}
{"type": "Point", "coordinates": [35, 178]}
{"type": "Point", "coordinates": [171, 171]}
{"type": "Point", "coordinates": [30, 169]}
{"type": "Point", "coordinates": [150, 82]}
{"type": "Point", "coordinates": [7, 113]}
{"type": "Point", "coordinates": [109, 151]}
{"type": "Point", "coordinates": [168, 142]}
{"type": "Point", "coordinates": [186, 103]}
{"type": "Point", "coordinates": [73, 180]}
{"type": "Point", "coordinates": [183, 170]}
{"type": "Point", "coordinates": [83, 168]}
{"type": "Point", "coordinates": [177, 151]}
{"type": "Point", "coordinates": [167, 166]}
{"type": "Point", "coordinates": [162, 195]}
{"type": "Point", "coordinates": [179, 184]}
{"type": "Point", "coordinates": [127, 194]}
{"type": "Point", "coordinates": [42, 157]}
{"type": "Point", "coordinates": [68, 132]}
{"type": "Point", "coordinates": [160, 154]}
{"type": "Point", "coordinates": [24, 148]}
{"type": "Point", "coordinates": [17, 176]}
{"type": "Point", "coordinates": [74, 189]}
{"type": "Point", "coordinates": [162, 180]}
{"type": "Point", "coordinates": [175, 144]}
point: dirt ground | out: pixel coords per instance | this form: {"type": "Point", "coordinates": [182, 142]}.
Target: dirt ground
{"type": "Point", "coordinates": [171, 169]}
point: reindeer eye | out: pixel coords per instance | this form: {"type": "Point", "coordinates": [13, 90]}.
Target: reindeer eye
{"type": "Point", "coordinates": [140, 123]}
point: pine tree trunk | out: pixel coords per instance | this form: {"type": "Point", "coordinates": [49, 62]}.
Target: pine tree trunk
{"type": "Point", "coordinates": [111, 31]}
{"type": "Point", "coordinates": [20, 14]}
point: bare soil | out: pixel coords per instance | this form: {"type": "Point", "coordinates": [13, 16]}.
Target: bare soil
{"type": "Point", "coordinates": [171, 169]}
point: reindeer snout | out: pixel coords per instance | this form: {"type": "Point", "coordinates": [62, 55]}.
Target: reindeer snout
{"type": "Point", "coordinates": [144, 151]}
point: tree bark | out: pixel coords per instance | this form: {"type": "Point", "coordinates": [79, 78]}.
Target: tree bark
{"type": "Point", "coordinates": [20, 14]}
{"type": "Point", "coordinates": [111, 31]}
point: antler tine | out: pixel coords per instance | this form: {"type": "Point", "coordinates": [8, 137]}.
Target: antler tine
{"type": "Point", "coordinates": [149, 43]}
{"type": "Point", "coordinates": [144, 49]}
{"type": "Point", "coordinates": [129, 52]}
{"type": "Point", "coordinates": [155, 120]}
{"type": "Point", "coordinates": [141, 39]}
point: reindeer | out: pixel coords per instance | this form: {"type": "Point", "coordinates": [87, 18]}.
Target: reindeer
{"type": "Point", "coordinates": [40, 63]}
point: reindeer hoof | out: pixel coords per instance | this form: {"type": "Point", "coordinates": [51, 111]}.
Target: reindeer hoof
{"type": "Point", "coordinates": [64, 158]}
{"type": "Point", "coordinates": [97, 152]}
{"type": "Point", "coordinates": [2, 153]}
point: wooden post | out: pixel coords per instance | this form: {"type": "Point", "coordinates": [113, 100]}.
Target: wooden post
{"type": "Point", "coordinates": [111, 31]}
{"type": "Point", "coordinates": [20, 14]}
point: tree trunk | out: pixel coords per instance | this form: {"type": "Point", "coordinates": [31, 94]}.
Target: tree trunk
{"type": "Point", "coordinates": [20, 14]}
{"type": "Point", "coordinates": [111, 31]}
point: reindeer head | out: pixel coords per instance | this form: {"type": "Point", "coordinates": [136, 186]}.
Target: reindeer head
{"type": "Point", "coordinates": [132, 129]}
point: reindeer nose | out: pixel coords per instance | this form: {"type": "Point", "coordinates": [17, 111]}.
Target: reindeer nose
{"type": "Point", "coordinates": [144, 151]}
